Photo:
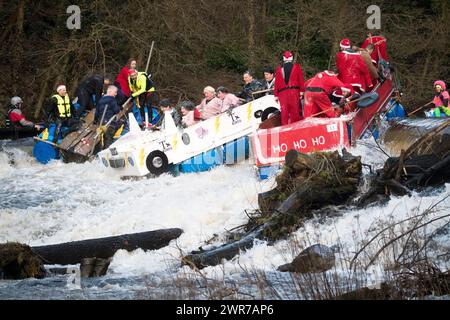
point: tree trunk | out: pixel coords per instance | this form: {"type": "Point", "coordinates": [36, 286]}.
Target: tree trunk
{"type": "Point", "coordinates": [251, 31]}
{"type": "Point", "coordinates": [313, 181]}
{"type": "Point", "coordinates": [74, 252]}
{"type": "Point", "coordinates": [20, 17]}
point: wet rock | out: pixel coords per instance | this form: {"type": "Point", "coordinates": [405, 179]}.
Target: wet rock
{"type": "Point", "coordinates": [18, 261]}
{"type": "Point", "coordinates": [94, 267]}
{"type": "Point", "coordinates": [315, 259]}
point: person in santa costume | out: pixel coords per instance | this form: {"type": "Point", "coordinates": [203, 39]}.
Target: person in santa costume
{"type": "Point", "coordinates": [379, 52]}
{"type": "Point", "coordinates": [288, 89]}
{"type": "Point", "coordinates": [317, 93]}
{"type": "Point", "coordinates": [352, 68]}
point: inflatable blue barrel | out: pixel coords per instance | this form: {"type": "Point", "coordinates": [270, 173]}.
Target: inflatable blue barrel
{"type": "Point", "coordinates": [44, 152]}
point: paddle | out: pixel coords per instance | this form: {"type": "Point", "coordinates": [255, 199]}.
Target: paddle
{"type": "Point", "coordinates": [367, 98]}
{"type": "Point", "coordinates": [411, 113]}
{"type": "Point", "coordinates": [97, 135]}
{"type": "Point", "coordinates": [149, 56]}
{"type": "Point", "coordinates": [262, 91]}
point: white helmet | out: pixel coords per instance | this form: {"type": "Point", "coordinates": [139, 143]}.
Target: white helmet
{"type": "Point", "coordinates": [16, 100]}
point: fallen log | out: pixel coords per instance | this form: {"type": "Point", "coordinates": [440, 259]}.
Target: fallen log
{"type": "Point", "coordinates": [425, 163]}
{"type": "Point", "coordinates": [74, 252]}
{"type": "Point", "coordinates": [308, 182]}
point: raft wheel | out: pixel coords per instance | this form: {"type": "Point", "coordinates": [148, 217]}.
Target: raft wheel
{"type": "Point", "coordinates": [157, 162]}
{"type": "Point", "coordinates": [268, 112]}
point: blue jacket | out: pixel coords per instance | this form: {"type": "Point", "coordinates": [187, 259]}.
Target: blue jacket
{"type": "Point", "coordinates": [113, 108]}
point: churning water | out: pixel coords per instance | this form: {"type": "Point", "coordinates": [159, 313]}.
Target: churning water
{"type": "Point", "coordinates": [55, 203]}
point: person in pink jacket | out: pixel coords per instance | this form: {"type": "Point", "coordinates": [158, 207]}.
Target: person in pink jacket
{"type": "Point", "coordinates": [121, 81]}
{"type": "Point", "coordinates": [441, 100]}
{"type": "Point", "coordinates": [228, 99]}
{"type": "Point", "coordinates": [210, 105]}
{"type": "Point", "coordinates": [190, 115]}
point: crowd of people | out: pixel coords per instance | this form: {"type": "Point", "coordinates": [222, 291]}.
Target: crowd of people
{"type": "Point", "coordinates": [324, 95]}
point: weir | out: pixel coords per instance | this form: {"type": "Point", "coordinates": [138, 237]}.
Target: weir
{"type": "Point", "coordinates": [401, 134]}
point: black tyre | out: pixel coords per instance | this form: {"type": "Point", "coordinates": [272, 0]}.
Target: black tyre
{"type": "Point", "coordinates": [157, 162]}
{"type": "Point", "coordinates": [268, 112]}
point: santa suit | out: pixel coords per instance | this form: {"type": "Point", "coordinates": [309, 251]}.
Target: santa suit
{"type": "Point", "coordinates": [317, 92]}
{"type": "Point", "coordinates": [288, 92]}
{"type": "Point", "coordinates": [353, 70]}
{"type": "Point", "coordinates": [379, 50]}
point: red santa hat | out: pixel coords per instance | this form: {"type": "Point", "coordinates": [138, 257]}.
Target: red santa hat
{"type": "Point", "coordinates": [345, 44]}
{"type": "Point", "coordinates": [287, 56]}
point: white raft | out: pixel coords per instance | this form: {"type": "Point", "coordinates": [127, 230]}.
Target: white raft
{"type": "Point", "coordinates": [139, 152]}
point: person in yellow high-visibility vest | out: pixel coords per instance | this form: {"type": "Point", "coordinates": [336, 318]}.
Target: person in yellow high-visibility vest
{"type": "Point", "coordinates": [143, 90]}
{"type": "Point", "coordinates": [60, 110]}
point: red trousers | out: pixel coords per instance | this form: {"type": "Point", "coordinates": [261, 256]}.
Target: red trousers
{"type": "Point", "coordinates": [316, 102]}
{"type": "Point", "coordinates": [290, 106]}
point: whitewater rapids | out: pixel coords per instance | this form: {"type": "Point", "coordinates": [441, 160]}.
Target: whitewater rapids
{"type": "Point", "coordinates": [55, 203]}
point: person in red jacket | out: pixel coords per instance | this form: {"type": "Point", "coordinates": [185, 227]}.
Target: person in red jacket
{"type": "Point", "coordinates": [16, 117]}
{"type": "Point", "coordinates": [317, 94]}
{"type": "Point", "coordinates": [352, 68]}
{"type": "Point", "coordinates": [121, 81]}
{"type": "Point", "coordinates": [288, 89]}
{"type": "Point", "coordinates": [379, 43]}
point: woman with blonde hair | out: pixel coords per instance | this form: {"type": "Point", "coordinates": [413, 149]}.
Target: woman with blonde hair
{"type": "Point", "coordinates": [210, 105]}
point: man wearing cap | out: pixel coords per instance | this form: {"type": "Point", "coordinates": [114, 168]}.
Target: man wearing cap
{"type": "Point", "coordinates": [288, 89]}
{"type": "Point", "coordinates": [60, 110]}
{"type": "Point", "coordinates": [16, 117]}
{"type": "Point", "coordinates": [352, 68]}
{"type": "Point", "coordinates": [90, 91]}
{"type": "Point", "coordinates": [142, 89]}
{"type": "Point", "coordinates": [317, 94]}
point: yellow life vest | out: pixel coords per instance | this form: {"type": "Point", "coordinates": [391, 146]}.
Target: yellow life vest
{"type": "Point", "coordinates": [63, 106]}
{"type": "Point", "coordinates": [140, 85]}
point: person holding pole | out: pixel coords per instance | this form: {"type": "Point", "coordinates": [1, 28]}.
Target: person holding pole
{"type": "Point", "coordinates": [108, 108]}
{"type": "Point", "coordinates": [317, 93]}
{"type": "Point", "coordinates": [143, 92]}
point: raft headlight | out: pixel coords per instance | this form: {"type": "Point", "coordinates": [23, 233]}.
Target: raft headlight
{"type": "Point", "coordinates": [131, 161]}
{"type": "Point", "coordinates": [105, 163]}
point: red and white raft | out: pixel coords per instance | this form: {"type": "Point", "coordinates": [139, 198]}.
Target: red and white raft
{"type": "Point", "coordinates": [272, 142]}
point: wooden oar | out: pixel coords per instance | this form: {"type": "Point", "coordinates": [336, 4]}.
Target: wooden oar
{"type": "Point", "coordinates": [47, 142]}
{"type": "Point", "coordinates": [363, 97]}
{"type": "Point", "coordinates": [262, 91]}
{"type": "Point", "coordinates": [149, 56]}
{"type": "Point", "coordinates": [97, 135]}
{"type": "Point", "coordinates": [411, 113]}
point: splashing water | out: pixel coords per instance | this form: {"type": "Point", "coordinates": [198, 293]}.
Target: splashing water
{"type": "Point", "coordinates": [55, 203]}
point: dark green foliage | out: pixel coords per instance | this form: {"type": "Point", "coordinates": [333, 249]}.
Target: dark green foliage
{"type": "Point", "coordinates": [210, 42]}
{"type": "Point", "coordinates": [226, 57]}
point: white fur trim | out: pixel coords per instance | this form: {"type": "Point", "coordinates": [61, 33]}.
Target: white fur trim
{"type": "Point", "coordinates": [61, 87]}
